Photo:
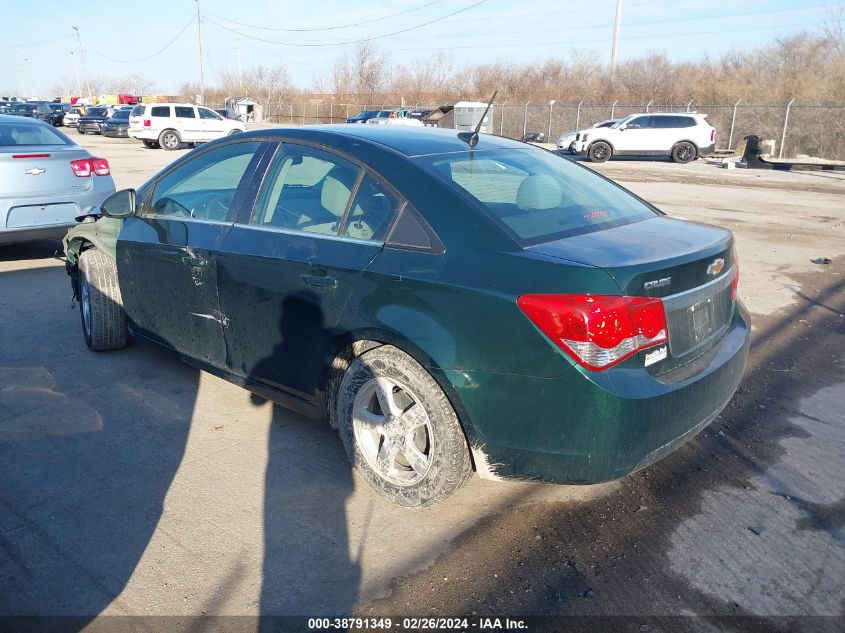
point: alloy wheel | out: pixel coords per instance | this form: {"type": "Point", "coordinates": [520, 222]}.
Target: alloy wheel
{"type": "Point", "coordinates": [393, 431]}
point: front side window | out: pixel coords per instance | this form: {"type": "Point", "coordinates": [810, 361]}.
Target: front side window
{"type": "Point", "coordinates": [638, 123]}
{"type": "Point", "coordinates": [537, 196]}
{"type": "Point", "coordinates": [306, 189]}
{"type": "Point", "coordinates": [208, 114]}
{"type": "Point", "coordinates": [205, 186]}
{"type": "Point", "coordinates": [185, 112]}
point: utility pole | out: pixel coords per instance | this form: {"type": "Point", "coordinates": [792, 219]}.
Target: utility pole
{"type": "Point", "coordinates": [82, 58]}
{"type": "Point", "coordinates": [199, 37]}
{"type": "Point", "coordinates": [615, 40]}
{"type": "Point", "coordinates": [26, 77]}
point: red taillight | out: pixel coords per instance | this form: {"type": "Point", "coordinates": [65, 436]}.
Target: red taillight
{"type": "Point", "coordinates": [147, 123]}
{"type": "Point", "coordinates": [598, 331]}
{"type": "Point", "coordinates": [84, 167]}
{"type": "Point", "coordinates": [712, 135]}
{"type": "Point", "coordinates": [101, 166]}
{"type": "Point", "coordinates": [81, 168]}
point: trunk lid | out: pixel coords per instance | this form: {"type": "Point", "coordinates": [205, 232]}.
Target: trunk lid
{"type": "Point", "coordinates": [689, 265]}
{"type": "Point", "coordinates": [41, 170]}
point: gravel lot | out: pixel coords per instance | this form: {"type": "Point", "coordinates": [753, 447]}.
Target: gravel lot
{"type": "Point", "coordinates": [133, 484]}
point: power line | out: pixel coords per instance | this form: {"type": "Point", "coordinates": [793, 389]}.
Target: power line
{"type": "Point", "coordinates": [325, 28]}
{"type": "Point", "coordinates": [602, 39]}
{"type": "Point", "coordinates": [142, 59]}
{"type": "Point", "coordinates": [359, 41]}
{"type": "Point", "coordinates": [50, 41]}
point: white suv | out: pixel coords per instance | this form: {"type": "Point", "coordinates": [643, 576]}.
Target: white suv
{"type": "Point", "coordinates": [683, 136]}
{"type": "Point", "coordinates": [168, 125]}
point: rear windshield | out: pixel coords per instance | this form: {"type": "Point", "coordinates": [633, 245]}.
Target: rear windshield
{"type": "Point", "coordinates": [13, 134]}
{"type": "Point", "coordinates": [537, 196]}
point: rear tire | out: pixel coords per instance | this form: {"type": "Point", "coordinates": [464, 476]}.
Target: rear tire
{"type": "Point", "coordinates": [410, 450]}
{"type": "Point", "coordinates": [170, 140]}
{"type": "Point", "coordinates": [684, 152]}
{"type": "Point", "coordinates": [599, 152]}
{"type": "Point", "coordinates": [151, 144]}
{"type": "Point", "coordinates": [100, 302]}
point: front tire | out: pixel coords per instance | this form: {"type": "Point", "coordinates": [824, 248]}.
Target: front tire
{"type": "Point", "coordinates": [170, 140]}
{"type": "Point", "coordinates": [599, 152]}
{"type": "Point", "coordinates": [400, 431]}
{"type": "Point", "coordinates": [100, 302]}
{"type": "Point", "coordinates": [684, 152]}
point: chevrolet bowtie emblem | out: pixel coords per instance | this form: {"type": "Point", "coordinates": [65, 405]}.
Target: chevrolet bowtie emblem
{"type": "Point", "coordinates": [35, 171]}
{"type": "Point", "coordinates": [716, 266]}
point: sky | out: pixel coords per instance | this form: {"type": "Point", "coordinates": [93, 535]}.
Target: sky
{"type": "Point", "coordinates": [159, 40]}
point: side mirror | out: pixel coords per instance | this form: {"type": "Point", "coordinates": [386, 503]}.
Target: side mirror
{"type": "Point", "coordinates": [120, 204]}
{"type": "Point", "coordinates": [623, 127]}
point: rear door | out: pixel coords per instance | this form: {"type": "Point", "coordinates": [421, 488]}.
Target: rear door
{"type": "Point", "coordinates": [167, 253]}
{"type": "Point", "coordinates": [187, 123]}
{"type": "Point", "coordinates": [287, 270]}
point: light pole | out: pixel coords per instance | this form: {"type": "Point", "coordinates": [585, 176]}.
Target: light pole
{"type": "Point", "coordinates": [76, 73]}
{"type": "Point", "coordinates": [615, 40]}
{"type": "Point", "coordinates": [82, 58]}
{"type": "Point", "coordinates": [199, 38]}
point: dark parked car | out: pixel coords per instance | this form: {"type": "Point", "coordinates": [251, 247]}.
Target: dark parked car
{"type": "Point", "coordinates": [228, 113]}
{"type": "Point", "coordinates": [501, 309]}
{"type": "Point", "coordinates": [93, 119]}
{"type": "Point", "coordinates": [363, 116]}
{"type": "Point", "coordinates": [59, 111]}
{"type": "Point", "coordinates": [40, 111]}
{"type": "Point", "coordinates": [118, 125]}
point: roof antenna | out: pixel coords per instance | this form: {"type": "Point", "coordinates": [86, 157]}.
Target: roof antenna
{"type": "Point", "coordinates": [471, 138]}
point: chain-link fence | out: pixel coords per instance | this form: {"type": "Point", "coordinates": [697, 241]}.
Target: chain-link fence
{"type": "Point", "coordinates": [815, 130]}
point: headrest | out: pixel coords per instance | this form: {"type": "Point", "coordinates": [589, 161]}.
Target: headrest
{"type": "Point", "coordinates": [538, 192]}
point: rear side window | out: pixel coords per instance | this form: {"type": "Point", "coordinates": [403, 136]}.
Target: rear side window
{"type": "Point", "coordinates": [306, 189]}
{"type": "Point", "coordinates": [12, 134]}
{"type": "Point", "coordinates": [537, 196]}
{"type": "Point", "coordinates": [184, 112]}
{"type": "Point", "coordinates": [371, 211]}
{"type": "Point", "coordinates": [664, 122]}
{"type": "Point", "coordinates": [163, 111]}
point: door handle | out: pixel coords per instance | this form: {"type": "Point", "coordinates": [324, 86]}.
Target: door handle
{"type": "Point", "coordinates": [195, 261]}
{"type": "Point", "coordinates": [319, 281]}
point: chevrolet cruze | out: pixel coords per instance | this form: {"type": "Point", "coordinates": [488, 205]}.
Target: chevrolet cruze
{"type": "Point", "coordinates": [449, 309]}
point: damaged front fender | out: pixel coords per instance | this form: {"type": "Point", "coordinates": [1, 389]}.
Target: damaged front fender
{"type": "Point", "coordinates": [99, 232]}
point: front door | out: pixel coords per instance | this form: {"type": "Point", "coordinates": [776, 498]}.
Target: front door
{"type": "Point", "coordinates": [167, 253]}
{"type": "Point", "coordinates": [287, 269]}
{"type": "Point", "coordinates": [637, 137]}
{"type": "Point", "coordinates": [213, 125]}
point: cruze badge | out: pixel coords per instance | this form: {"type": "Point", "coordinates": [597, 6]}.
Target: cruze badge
{"type": "Point", "coordinates": [657, 283]}
{"type": "Point", "coordinates": [716, 266]}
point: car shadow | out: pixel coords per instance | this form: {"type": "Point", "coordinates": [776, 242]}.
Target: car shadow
{"type": "Point", "coordinates": [124, 478]}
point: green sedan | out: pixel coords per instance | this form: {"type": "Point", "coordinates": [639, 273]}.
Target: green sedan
{"type": "Point", "coordinates": [450, 309]}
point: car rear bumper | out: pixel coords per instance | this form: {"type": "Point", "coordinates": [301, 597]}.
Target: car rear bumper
{"type": "Point", "coordinates": [585, 427]}
{"type": "Point", "coordinates": [44, 217]}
